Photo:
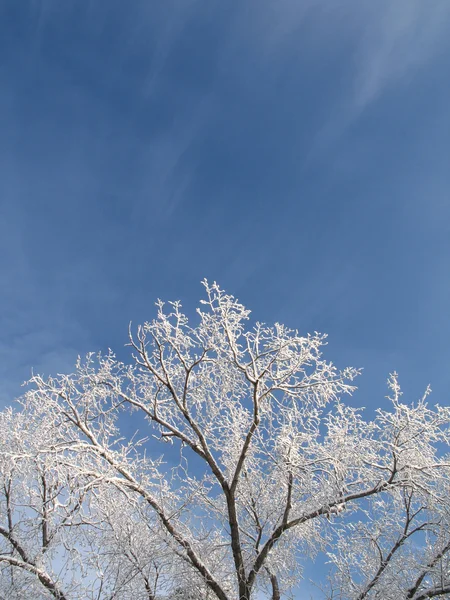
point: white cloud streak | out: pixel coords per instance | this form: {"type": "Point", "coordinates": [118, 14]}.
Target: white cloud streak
{"type": "Point", "coordinates": [392, 42]}
{"type": "Point", "coordinates": [397, 39]}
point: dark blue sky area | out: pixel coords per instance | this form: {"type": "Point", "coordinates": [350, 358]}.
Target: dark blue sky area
{"type": "Point", "coordinates": [295, 151]}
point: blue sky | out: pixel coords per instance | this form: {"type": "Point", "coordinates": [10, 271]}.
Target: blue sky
{"type": "Point", "coordinates": [295, 151]}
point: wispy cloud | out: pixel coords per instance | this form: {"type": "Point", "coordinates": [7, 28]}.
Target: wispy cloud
{"type": "Point", "coordinates": [391, 42]}
{"type": "Point", "coordinates": [397, 38]}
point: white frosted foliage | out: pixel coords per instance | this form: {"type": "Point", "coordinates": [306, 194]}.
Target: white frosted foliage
{"type": "Point", "coordinates": [261, 465]}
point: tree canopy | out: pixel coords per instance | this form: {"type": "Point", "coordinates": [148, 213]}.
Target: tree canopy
{"type": "Point", "coordinates": [250, 463]}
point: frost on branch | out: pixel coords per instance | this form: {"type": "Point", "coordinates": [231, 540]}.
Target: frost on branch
{"type": "Point", "coordinates": [246, 462]}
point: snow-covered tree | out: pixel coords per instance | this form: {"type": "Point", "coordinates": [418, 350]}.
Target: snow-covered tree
{"type": "Point", "coordinates": [262, 465]}
{"type": "Point", "coordinates": [399, 544]}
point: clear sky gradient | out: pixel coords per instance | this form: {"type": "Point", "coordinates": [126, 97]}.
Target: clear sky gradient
{"type": "Point", "coordinates": [296, 151]}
